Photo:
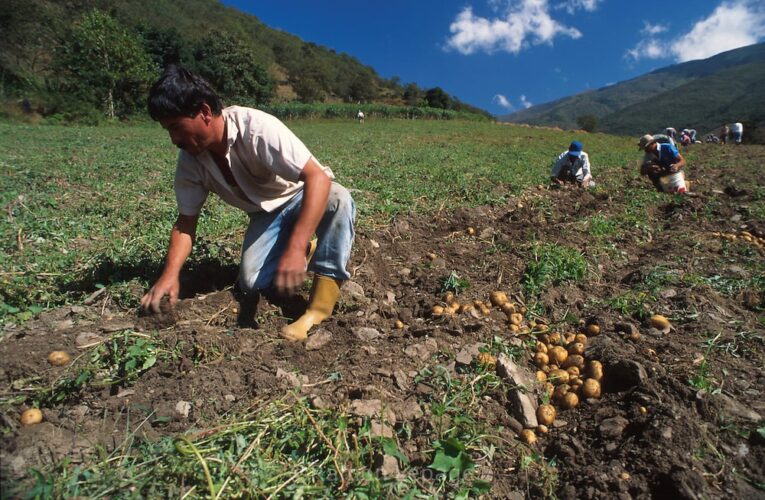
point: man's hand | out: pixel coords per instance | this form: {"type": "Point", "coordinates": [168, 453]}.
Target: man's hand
{"type": "Point", "coordinates": [673, 168]}
{"type": "Point", "coordinates": [290, 272]}
{"type": "Point", "coordinates": [165, 286]}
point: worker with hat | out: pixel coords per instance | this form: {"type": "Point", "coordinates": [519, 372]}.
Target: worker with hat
{"type": "Point", "coordinates": [663, 164]}
{"type": "Point", "coordinates": [572, 165]}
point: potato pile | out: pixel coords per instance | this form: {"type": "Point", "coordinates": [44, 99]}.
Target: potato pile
{"type": "Point", "coordinates": [450, 305]}
{"type": "Point", "coordinates": [742, 236]}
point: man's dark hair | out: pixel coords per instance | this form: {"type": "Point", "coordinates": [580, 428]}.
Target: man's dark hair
{"type": "Point", "coordinates": [180, 92]}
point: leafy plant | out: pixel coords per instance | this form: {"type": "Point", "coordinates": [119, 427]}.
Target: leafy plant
{"type": "Point", "coordinates": [552, 265]}
{"type": "Point", "coordinates": [453, 283]}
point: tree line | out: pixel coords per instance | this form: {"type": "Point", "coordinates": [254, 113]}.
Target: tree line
{"type": "Point", "coordinates": [102, 62]}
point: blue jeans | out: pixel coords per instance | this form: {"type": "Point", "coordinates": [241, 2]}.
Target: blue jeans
{"type": "Point", "coordinates": [269, 232]}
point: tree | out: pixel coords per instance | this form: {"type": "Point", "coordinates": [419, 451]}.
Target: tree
{"type": "Point", "coordinates": [413, 95]}
{"type": "Point", "coordinates": [437, 98]}
{"type": "Point", "coordinates": [165, 46]}
{"type": "Point", "coordinates": [104, 64]}
{"type": "Point", "coordinates": [231, 68]}
{"type": "Point", "coordinates": [587, 122]}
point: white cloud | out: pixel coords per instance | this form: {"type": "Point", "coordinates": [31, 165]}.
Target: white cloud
{"type": "Point", "coordinates": [502, 101]}
{"type": "Point", "coordinates": [572, 6]}
{"type": "Point", "coordinates": [653, 29]}
{"type": "Point", "coordinates": [523, 23]}
{"type": "Point", "coordinates": [733, 24]}
{"type": "Point", "coordinates": [525, 102]}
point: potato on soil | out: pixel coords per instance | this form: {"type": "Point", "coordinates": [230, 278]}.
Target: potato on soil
{"type": "Point", "coordinates": [593, 329]}
{"type": "Point", "coordinates": [555, 338]}
{"type": "Point", "coordinates": [569, 338]}
{"type": "Point", "coordinates": [448, 297]}
{"type": "Point", "coordinates": [516, 318]}
{"type": "Point", "coordinates": [59, 358]}
{"type": "Point", "coordinates": [576, 348]}
{"type": "Point", "coordinates": [437, 310]}
{"type": "Point", "coordinates": [558, 376]}
{"type": "Point", "coordinates": [560, 391]}
{"type": "Point", "coordinates": [541, 359]}
{"type": "Point", "coordinates": [31, 417]}
{"type": "Point", "coordinates": [660, 322]}
{"type": "Point", "coordinates": [507, 308]}
{"type": "Point", "coordinates": [542, 429]}
{"type": "Point", "coordinates": [486, 359]}
{"type": "Point", "coordinates": [541, 376]}
{"type": "Point", "coordinates": [528, 436]}
{"type": "Point", "coordinates": [569, 400]}
{"type": "Point", "coordinates": [431, 256]}
{"type": "Point", "coordinates": [580, 338]}
{"type": "Point", "coordinates": [573, 371]}
{"type": "Point", "coordinates": [595, 370]}
{"type": "Point", "coordinates": [399, 324]}
{"type": "Point", "coordinates": [546, 414]}
{"type": "Point", "coordinates": [541, 347]}
{"type": "Point", "coordinates": [498, 298]}
{"type": "Point", "coordinates": [557, 355]}
{"type": "Point", "coordinates": [574, 360]}
{"type": "Point", "coordinates": [471, 231]}
{"type": "Point", "coordinates": [591, 388]}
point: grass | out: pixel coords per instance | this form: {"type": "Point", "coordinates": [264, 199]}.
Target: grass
{"type": "Point", "coordinates": [552, 265]}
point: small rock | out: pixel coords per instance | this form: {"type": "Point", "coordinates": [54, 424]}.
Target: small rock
{"type": "Point", "coordinates": [613, 427]}
{"type": "Point", "coordinates": [626, 373]}
{"type": "Point", "coordinates": [666, 433]}
{"type": "Point", "coordinates": [390, 297]}
{"type": "Point", "coordinates": [734, 409]}
{"type": "Point", "coordinates": [354, 292]}
{"type": "Point", "coordinates": [64, 324]}
{"type": "Point", "coordinates": [372, 408]}
{"type": "Point", "coordinates": [523, 408]}
{"type": "Point", "coordinates": [125, 393]}
{"type": "Point", "coordinates": [117, 325]}
{"type": "Point", "coordinates": [386, 465]}
{"type": "Point", "coordinates": [369, 350]}
{"type": "Point", "coordinates": [292, 379]}
{"type": "Point", "coordinates": [366, 334]}
{"type": "Point", "coordinates": [374, 244]}
{"type": "Point", "coordinates": [668, 293]}
{"type": "Point", "coordinates": [422, 350]}
{"type": "Point", "coordinates": [318, 339]}
{"type": "Point", "coordinates": [515, 374]}
{"type": "Point", "coordinates": [405, 271]}
{"type": "Point", "coordinates": [402, 380]}
{"type": "Point", "coordinates": [87, 339]}
{"type": "Point", "coordinates": [182, 408]}
{"type": "Point", "coordinates": [230, 398]}
{"type": "Point", "coordinates": [409, 410]}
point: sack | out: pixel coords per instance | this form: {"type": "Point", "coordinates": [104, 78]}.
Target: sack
{"type": "Point", "coordinates": [673, 183]}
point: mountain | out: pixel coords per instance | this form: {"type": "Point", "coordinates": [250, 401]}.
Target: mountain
{"type": "Point", "coordinates": [43, 43]}
{"type": "Point", "coordinates": [703, 94]}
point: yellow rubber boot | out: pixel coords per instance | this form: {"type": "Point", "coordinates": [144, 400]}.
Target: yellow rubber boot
{"type": "Point", "coordinates": [311, 249]}
{"type": "Point", "coordinates": [324, 295]}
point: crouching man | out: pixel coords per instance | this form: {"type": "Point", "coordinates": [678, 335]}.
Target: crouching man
{"type": "Point", "coordinates": [572, 166]}
{"type": "Point", "coordinates": [663, 165]}
{"type": "Point", "coordinates": [252, 161]}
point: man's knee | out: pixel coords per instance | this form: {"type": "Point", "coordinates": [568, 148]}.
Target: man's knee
{"type": "Point", "coordinates": [341, 201]}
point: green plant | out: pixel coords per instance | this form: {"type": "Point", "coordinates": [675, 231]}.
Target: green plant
{"type": "Point", "coordinates": [453, 283]}
{"type": "Point", "coordinates": [702, 378]}
{"type": "Point", "coordinates": [552, 265]}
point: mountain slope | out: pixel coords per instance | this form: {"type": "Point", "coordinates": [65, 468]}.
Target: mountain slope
{"type": "Point", "coordinates": [700, 94]}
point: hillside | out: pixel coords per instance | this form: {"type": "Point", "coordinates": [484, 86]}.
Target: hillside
{"type": "Point", "coordinates": [46, 47]}
{"type": "Point", "coordinates": [699, 94]}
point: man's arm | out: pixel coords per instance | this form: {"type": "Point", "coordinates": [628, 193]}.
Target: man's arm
{"type": "Point", "coordinates": [290, 272]}
{"type": "Point", "coordinates": [678, 165]}
{"type": "Point", "coordinates": [179, 249]}
{"type": "Point", "coordinates": [649, 168]}
{"type": "Point", "coordinates": [557, 166]}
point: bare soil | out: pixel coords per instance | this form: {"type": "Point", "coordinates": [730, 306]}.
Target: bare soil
{"type": "Point", "coordinates": [672, 440]}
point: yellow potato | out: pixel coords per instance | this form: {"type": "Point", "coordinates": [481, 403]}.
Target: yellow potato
{"type": "Point", "coordinates": [516, 318]}
{"type": "Point", "coordinates": [59, 358]}
{"type": "Point", "coordinates": [593, 329]}
{"type": "Point", "coordinates": [574, 360]}
{"type": "Point", "coordinates": [31, 417]}
{"type": "Point", "coordinates": [595, 370]}
{"type": "Point", "coordinates": [541, 376]}
{"type": "Point", "coordinates": [486, 359]}
{"type": "Point", "coordinates": [557, 355]}
{"type": "Point", "coordinates": [569, 400]}
{"type": "Point", "coordinates": [558, 376]}
{"type": "Point", "coordinates": [507, 308]}
{"type": "Point", "coordinates": [573, 371]}
{"type": "Point", "coordinates": [498, 298]}
{"type": "Point", "coordinates": [541, 359]}
{"type": "Point", "coordinates": [528, 436]}
{"type": "Point", "coordinates": [576, 348]}
{"type": "Point", "coordinates": [591, 388]}
{"type": "Point", "coordinates": [546, 414]}
{"type": "Point", "coordinates": [437, 310]}
{"type": "Point", "coordinates": [659, 322]}
{"type": "Point", "coordinates": [541, 347]}
{"type": "Point", "coordinates": [560, 391]}
{"type": "Point", "coordinates": [448, 297]}
{"type": "Point", "coordinates": [471, 231]}
{"type": "Point", "coordinates": [555, 338]}
{"type": "Point", "coordinates": [542, 429]}
{"type": "Point", "coordinates": [581, 338]}
{"type": "Point", "coordinates": [399, 324]}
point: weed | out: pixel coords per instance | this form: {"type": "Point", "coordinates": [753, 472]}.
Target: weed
{"type": "Point", "coordinates": [552, 265]}
{"type": "Point", "coordinates": [631, 303]}
{"type": "Point", "coordinates": [703, 379]}
{"type": "Point", "coordinates": [601, 227]}
{"type": "Point", "coordinates": [453, 283]}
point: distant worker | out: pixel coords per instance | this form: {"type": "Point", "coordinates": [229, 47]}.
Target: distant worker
{"type": "Point", "coordinates": [685, 138]}
{"type": "Point", "coordinates": [360, 117]}
{"type": "Point", "coordinates": [737, 130]}
{"type": "Point", "coordinates": [724, 131]}
{"type": "Point", "coordinates": [694, 135]}
{"type": "Point", "coordinates": [663, 164]}
{"type": "Point", "coordinates": [572, 166]}
{"type": "Point", "coordinates": [671, 132]}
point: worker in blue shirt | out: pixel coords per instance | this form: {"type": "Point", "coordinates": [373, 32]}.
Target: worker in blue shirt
{"type": "Point", "coordinates": [661, 160]}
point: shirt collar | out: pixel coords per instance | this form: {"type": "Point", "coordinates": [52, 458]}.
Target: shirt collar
{"type": "Point", "coordinates": [232, 131]}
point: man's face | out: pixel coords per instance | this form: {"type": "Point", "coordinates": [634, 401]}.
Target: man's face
{"type": "Point", "coordinates": [190, 134]}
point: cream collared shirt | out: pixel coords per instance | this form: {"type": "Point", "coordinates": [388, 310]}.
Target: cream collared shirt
{"type": "Point", "coordinates": [265, 157]}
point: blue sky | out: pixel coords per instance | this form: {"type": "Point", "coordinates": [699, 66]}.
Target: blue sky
{"type": "Point", "coordinates": [506, 55]}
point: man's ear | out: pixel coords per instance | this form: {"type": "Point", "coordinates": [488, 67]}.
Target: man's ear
{"type": "Point", "coordinates": [206, 113]}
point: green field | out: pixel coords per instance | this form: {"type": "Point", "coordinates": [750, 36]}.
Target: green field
{"type": "Point", "coordinates": [87, 207]}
